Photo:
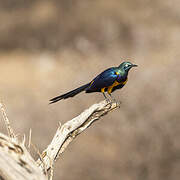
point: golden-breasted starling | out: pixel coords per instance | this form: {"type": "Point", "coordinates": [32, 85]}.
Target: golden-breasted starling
{"type": "Point", "coordinates": [108, 81]}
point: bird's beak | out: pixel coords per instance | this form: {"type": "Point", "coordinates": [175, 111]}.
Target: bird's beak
{"type": "Point", "coordinates": [134, 65]}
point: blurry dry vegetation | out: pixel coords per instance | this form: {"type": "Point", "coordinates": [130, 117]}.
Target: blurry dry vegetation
{"type": "Point", "coordinates": [49, 47]}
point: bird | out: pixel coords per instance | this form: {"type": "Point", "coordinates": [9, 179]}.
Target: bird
{"type": "Point", "coordinates": [108, 81]}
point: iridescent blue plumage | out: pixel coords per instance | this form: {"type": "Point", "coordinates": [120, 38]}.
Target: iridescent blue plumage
{"type": "Point", "coordinates": [108, 81]}
{"type": "Point", "coordinates": [105, 79]}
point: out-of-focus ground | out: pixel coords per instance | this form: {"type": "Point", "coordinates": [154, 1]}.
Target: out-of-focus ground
{"type": "Point", "coordinates": [50, 47]}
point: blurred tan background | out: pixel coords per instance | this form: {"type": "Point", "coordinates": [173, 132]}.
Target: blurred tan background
{"type": "Point", "coordinates": [50, 47]}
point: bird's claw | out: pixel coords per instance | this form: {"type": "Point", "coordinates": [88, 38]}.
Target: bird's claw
{"type": "Point", "coordinates": [108, 101]}
{"type": "Point", "coordinates": [116, 102]}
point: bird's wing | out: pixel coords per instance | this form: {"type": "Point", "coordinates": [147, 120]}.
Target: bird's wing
{"type": "Point", "coordinates": [105, 79]}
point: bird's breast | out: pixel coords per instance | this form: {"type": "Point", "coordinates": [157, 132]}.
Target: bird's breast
{"type": "Point", "coordinates": [116, 83]}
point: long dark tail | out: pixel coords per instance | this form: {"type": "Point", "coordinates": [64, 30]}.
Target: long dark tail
{"type": "Point", "coordinates": [69, 94]}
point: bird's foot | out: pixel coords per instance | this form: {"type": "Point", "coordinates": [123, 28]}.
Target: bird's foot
{"type": "Point", "coordinates": [108, 101]}
{"type": "Point", "coordinates": [116, 102]}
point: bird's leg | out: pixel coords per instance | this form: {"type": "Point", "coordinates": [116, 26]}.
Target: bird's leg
{"type": "Point", "coordinates": [114, 100]}
{"type": "Point", "coordinates": [108, 100]}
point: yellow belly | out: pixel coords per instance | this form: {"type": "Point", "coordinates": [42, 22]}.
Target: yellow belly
{"type": "Point", "coordinates": [103, 89]}
{"type": "Point", "coordinates": [110, 88]}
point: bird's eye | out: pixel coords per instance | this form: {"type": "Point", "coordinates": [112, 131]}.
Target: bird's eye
{"type": "Point", "coordinates": [126, 65]}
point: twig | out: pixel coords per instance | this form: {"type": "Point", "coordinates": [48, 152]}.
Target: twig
{"type": "Point", "coordinates": [67, 132]}
{"type": "Point", "coordinates": [7, 123]}
{"type": "Point", "coordinates": [30, 135]}
{"type": "Point", "coordinates": [40, 158]}
{"type": "Point", "coordinates": [24, 140]}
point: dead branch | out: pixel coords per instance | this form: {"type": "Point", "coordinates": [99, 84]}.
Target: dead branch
{"type": "Point", "coordinates": [16, 162]}
{"type": "Point", "coordinates": [67, 132]}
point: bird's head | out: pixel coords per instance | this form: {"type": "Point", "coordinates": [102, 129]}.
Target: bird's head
{"type": "Point", "coordinates": [126, 66]}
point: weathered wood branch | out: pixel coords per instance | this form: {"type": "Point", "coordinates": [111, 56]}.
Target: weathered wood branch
{"type": "Point", "coordinates": [15, 160]}
{"type": "Point", "coordinates": [17, 163]}
{"type": "Point", "coordinates": [67, 132]}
